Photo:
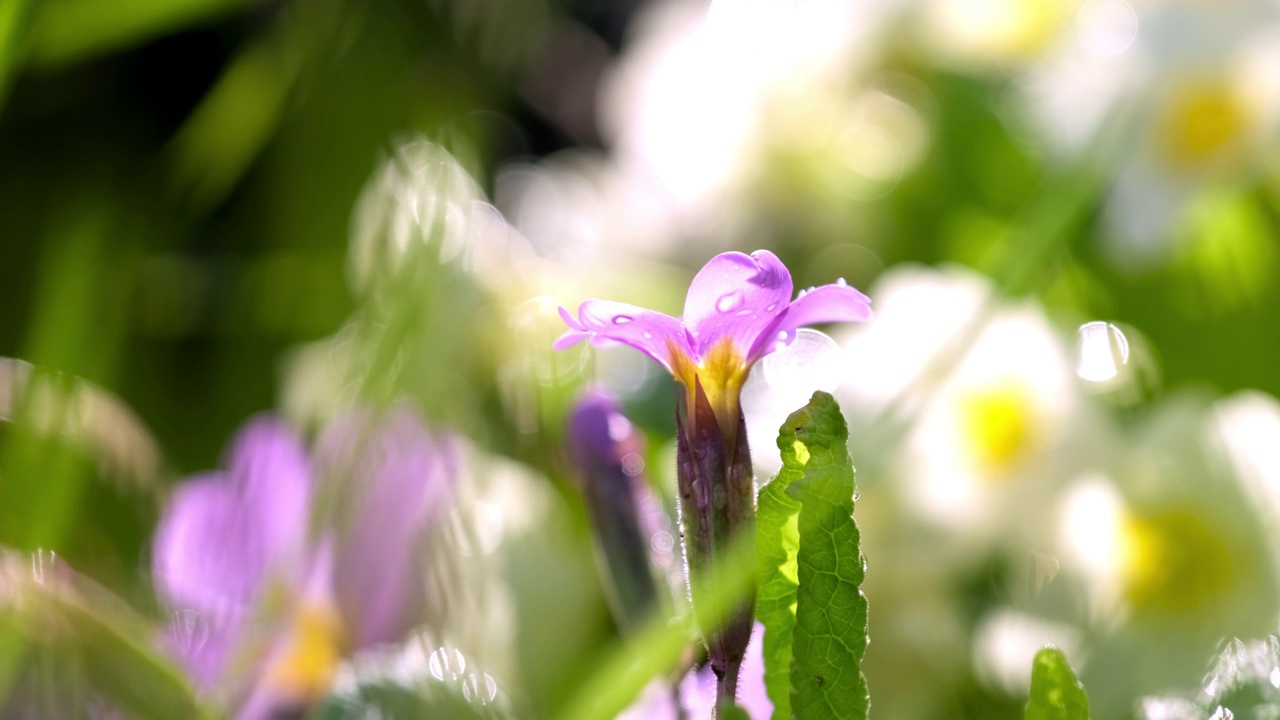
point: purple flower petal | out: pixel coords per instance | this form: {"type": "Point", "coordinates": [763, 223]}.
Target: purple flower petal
{"type": "Point", "coordinates": [272, 476]}
{"type": "Point", "coordinates": [207, 555]}
{"type": "Point", "coordinates": [736, 296]}
{"type": "Point", "coordinates": [651, 332]}
{"type": "Point", "coordinates": [752, 695]}
{"type": "Point", "coordinates": [398, 481]}
{"type": "Point", "coordinates": [207, 566]}
{"type": "Point", "coordinates": [829, 303]}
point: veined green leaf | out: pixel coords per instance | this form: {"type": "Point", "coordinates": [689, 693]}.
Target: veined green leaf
{"type": "Point", "coordinates": [777, 543]}
{"type": "Point", "coordinates": [810, 600]}
{"type": "Point", "coordinates": [1056, 694]}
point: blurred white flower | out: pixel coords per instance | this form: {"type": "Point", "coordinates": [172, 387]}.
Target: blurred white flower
{"type": "Point", "coordinates": [992, 34]}
{"type": "Point", "coordinates": [1173, 551]}
{"type": "Point", "coordinates": [1208, 76]}
{"type": "Point", "coordinates": [989, 391]}
{"type": "Point", "coordinates": [422, 203]}
{"type": "Point", "coordinates": [1006, 641]}
{"type": "Point", "coordinates": [701, 98]}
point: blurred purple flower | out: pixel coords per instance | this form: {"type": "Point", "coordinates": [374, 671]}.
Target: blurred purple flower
{"type": "Point", "coordinates": [266, 603]}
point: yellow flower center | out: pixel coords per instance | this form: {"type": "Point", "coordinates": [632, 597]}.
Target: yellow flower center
{"type": "Point", "coordinates": [999, 426]}
{"type": "Point", "coordinates": [1172, 562]}
{"type": "Point", "coordinates": [721, 373]}
{"type": "Point", "coordinates": [1200, 122]}
{"type": "Point", "coordinates": [305, 669]}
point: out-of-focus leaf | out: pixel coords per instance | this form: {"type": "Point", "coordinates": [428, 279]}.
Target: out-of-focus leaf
{"type": "Point", "coordinates": [244, 109]}
{"type": "Point", "coordinates": [777, 542]}
{"type": "Point", "coordinates": [830, 634]}
{"type": "Point", "coordinates": [656, 648]}
{"type": "Point", "coordinates": [14, 15]}
{"type": "Point", "coordinates": [66, 31]}
{"type": "Point", "coordinates": [89, 417]}
{"type": "Point", "coordinates": [231, 124]}
{"type": "Point", "coordinates": [52, 607]}
{"type": "Point", "coordinates": [1056, 694]}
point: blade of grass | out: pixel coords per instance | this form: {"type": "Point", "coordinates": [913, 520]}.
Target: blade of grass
{"type": "Point", "coordinates": [14, 24]}
{"type": "Point", "coordinates": [69, 31]}
{"type": "Point", "coordinates": [656, 649]}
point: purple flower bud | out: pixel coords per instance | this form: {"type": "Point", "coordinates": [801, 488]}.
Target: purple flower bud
{"type": "Point", "coordinates": [607, 456]}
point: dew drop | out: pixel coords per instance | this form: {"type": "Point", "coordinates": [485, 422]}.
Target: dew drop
{"type": "Point", "coordinates": [42, 563]}
{"type": "Point", "coordinates": [782, 335]}
{"type": "Point", "coordinates": [480, 688]}
{"type": "Point", "coordinates": [842, 282]}
{"type": "Point", "coordinates": [1103, 351]}
{"type": "Point", "coordinates": [632, 464]}
{"type": "Point", "coordinates": [662, 542]}
{"type": "Point", "coordinates": [772, 307]}
{"type": "Point", "coordinates": [189, 630]}
{"type": "Point", "coordinates": [621, 319]}
{"type": "Point", "coordinates": [729, 301]}
{"type": "Point", "coordinates": [648, 335]}
{"type": "Point", "coordinates": [447, 663]}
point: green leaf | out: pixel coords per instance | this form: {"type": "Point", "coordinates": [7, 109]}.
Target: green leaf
{"type": "Point", "coordinates": [1056, 694]}
{"type": "Point", "coordinates": [67, 31]}
{"type": "Point", "coordinates": [81, 625]}
{"type": "Point", "coordinates": [777, 544]}
{"type": "Point", "coordinates": [811, 569]}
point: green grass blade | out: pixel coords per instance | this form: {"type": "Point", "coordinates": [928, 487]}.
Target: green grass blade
{"type": "Point", "coordinates": [1056, 694]}
{"type": "Point", "coordinates": [656, 649]}
{"type": "Point", "coordinates": [14, 16]}
{"type": "Point", "coordinates": [67, 31]}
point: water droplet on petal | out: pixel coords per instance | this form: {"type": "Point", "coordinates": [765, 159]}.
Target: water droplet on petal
{"type": "Point", "coordinates": [782, 335]}
{"type": "Point", "coordinates": [189, 630]}
{"type": "Point", "coordinates": [772, 307]}
{"type": "Point", "coordinates": [802, 294]}
{"type": "Point", "coordinates": [1103, 351]}
{"type": "Point", "coordinates": [842, 282]}
{"type": "Point", "coordinates": [621, 319]}
{"type": "Point", "coordinates": [729, 301]}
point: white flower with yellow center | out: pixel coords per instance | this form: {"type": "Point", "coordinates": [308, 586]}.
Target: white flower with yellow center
{"type": "Point", "coordinates": [1174, 548]}
{"type": "Point", "coordinates": [1204, 83]}
{"type": "Point", "coordinates": [987, 391]}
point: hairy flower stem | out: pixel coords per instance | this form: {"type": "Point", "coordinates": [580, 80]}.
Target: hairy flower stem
{"type": "Point", "coordinates": [717, 504]}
